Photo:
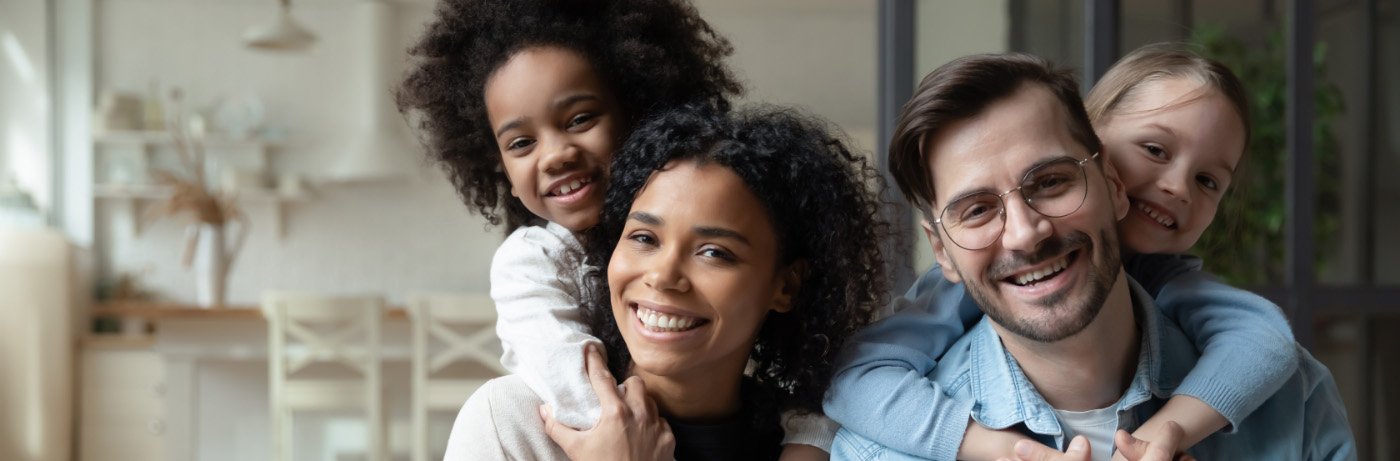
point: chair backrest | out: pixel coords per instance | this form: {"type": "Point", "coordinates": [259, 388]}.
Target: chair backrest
{"type": "Point", "coordinates": [465, 326]}
{"type": "Point", "coordinates": [333, 328]}
{"type": "Point", "coordinates": [463, 323]}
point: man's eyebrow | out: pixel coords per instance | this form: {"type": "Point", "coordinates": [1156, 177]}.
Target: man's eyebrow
{"type": "Point", "coordinates": [720, 232]}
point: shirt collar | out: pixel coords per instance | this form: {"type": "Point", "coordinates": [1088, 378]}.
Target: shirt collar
{"type": "Point", "coordinates": [1005, 397]}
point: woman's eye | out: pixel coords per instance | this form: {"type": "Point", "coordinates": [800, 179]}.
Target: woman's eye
{"type": "Point", "coordinates": [710, 252]}
{"type": "Point", "coordinates": [1208, 182]}
{"type": "Point", "coordinates": [1154, 150]}
{"type": "Point", "coordinates": [642, 238]}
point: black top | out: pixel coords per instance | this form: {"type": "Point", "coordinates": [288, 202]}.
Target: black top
{"type": "Point", "coordinates": [739, 437]}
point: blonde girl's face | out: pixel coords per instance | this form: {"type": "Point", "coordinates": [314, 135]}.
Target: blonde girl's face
{"type": "Point", "coordinates": [1176, 143]}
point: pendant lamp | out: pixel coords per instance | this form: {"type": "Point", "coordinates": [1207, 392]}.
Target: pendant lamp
{"type": "Point", "coordinates": [280, 34]}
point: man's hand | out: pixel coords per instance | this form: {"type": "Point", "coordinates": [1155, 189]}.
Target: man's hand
{"type": "Point", "coordinates": [630, 428]}
{"type": "Point", "coordinates": [1134, 449]}
{"type": "Point", "coordinates": [1029, 450]}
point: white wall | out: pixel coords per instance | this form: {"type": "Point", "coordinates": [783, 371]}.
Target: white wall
{"type": "Point", "coordinates": [24, 103]}
{"type": "Point", "coordinates": [944, 30]}
{"type": "Point", "coordinates": [393, 237]}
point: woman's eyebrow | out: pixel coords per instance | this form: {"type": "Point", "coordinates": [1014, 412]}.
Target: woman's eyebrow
{"type": "Point", "coordinates": [645, 218]}
{"type": "Point", "coordinates": [720, 232]}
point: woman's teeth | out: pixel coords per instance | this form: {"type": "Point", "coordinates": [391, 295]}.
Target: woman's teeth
{"type": "Point", "coordinates": [572, 186]}
{"type": "Point", "coordinates": [1161, 218]}
{"type": "Point", "coordinates": [657, 321]}
{"type": "Point", "coordinates": [1036, 276]}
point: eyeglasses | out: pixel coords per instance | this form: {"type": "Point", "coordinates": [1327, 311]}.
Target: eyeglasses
{"type": "Point", "coordinates": [1055, 189]}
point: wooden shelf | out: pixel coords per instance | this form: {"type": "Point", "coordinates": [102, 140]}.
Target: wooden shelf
{"type": "Point", "coordinates": [166, 138]}
{"type": "Point", "coordinates": [154, 310]}
{"type": "Point", "coordinates": [116, 341]}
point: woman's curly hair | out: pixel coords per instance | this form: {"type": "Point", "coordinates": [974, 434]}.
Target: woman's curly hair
{"type": "Point", "coordinates": [652, 53]}
{"type": "Point", "coordinates": [824, 213]}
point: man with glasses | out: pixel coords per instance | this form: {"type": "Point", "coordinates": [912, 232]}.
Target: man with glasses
{"type": "Point", "coordinates": [1021, 208]}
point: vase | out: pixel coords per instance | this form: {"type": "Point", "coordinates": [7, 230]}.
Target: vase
{"type": "Point", "coordinates": [214, 255]}
{"type": "Point", "coordinates": [210, 267]}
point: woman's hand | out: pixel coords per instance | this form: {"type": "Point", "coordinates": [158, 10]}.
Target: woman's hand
{"type": "Point", "coordinates": [629, 429]}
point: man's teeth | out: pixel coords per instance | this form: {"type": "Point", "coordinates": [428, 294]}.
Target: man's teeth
{"type": "Point", "coordinates": [572, 186]}
{"type": "Point", "coordinates": [1036, 276]}
{"type": "Point", "coordinates": [1162, 219]}
{"type": "Point", "coordinates": [657, 321]}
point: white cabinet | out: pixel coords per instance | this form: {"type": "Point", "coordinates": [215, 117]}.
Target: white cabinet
{"type": "Point", "coordinates": [122, 402]}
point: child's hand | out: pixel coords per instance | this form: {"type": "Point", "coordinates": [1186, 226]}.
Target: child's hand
{"type": "Point", "coordinates": [983, 444]}
{"type": "Point", "coordinates": [630, 428]}
{"type": "Point", "coordinates": [1163, 449]}
{"type": "Point", "coordinates": [800, 452]}
{"type": "Point", "coordinates": [1029, 450]}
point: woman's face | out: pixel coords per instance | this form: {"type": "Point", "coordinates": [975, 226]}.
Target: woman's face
{"type": "Point", "coordinates": [695, 273]}
{"type": "Point", "coordinates": [1175, 144]}
{"type": "Point", "coordinates": [556, 126]}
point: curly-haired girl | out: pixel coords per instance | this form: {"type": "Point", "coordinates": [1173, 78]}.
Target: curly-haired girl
{"type": "Point", "coordinates": [522, 103]}
{"type": "Point", "coordinates": [717, 253]}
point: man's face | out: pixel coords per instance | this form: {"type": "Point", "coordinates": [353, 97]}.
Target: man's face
{"type": "Point", "coordinates": [1042, 278]}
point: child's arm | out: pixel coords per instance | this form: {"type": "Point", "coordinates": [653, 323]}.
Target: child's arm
{"type": "Point", "coordinates": [1247, 347]}
{"type": "Point", "coordinates": [807, 436]}
{"type": "Point", "coordinates": [538, 321]}
{"type": "Point", "coordinates": [880, 389]}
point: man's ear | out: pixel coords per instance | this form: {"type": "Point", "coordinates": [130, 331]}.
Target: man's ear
{"type": "Point", "coordinates": [940, 252]}
{"type": "Point", "coordinates": [1117, 192]}
{"type": "Point", "coordinates": [787, 287]}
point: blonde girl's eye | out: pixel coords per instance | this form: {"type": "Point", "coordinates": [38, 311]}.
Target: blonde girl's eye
{"type": "Point", "coordinates": [1154, 150]}
{"type": "Point", "coordinates": [1208, 182]}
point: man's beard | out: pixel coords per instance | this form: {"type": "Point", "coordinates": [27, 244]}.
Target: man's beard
{"type": "Point", "coordinates": [1071, 319]}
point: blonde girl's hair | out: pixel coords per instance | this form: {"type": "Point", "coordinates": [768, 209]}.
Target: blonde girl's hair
{"type": "Point", "coordinates": [1160, 61]}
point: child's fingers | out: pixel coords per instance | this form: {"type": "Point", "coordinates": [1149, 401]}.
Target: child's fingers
{"type": "Point", "coordinates": [1028, 450]}
{"type": "Point", "coordinates": [1137, 449]}
{"type": "Point", "coordinates": [598, 375]}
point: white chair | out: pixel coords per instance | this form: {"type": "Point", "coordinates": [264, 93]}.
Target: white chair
{"type": "Point", "coordinates": [304, 329]}
{"type": "Point", "coordinates": [464, 326]}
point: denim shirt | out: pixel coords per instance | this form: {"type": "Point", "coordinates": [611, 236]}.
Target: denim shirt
{"type": "Point", "coordinates": [1247, 346]}
{"type": "Point", "coordinates": [1304, 420]}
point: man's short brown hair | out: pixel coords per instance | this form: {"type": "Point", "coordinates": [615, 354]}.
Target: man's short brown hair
{"type": "Point", "coordinates": [960, 90]}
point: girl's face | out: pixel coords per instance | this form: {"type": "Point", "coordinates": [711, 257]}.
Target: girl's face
{"type": "Point", "coordinates": [1175, 144]}
{"type": "Point", "coordinates": [695, 273]}
{"type": "Point", "coordinates": [556, 125]}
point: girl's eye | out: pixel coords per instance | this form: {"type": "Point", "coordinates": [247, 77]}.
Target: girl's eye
{"type": "Point", "coordinates": [1208, 182]}
{"type": "Point", "coordinates": [1154, 150]}
{"type": "Point", "coordinates": [582, 119]}
{"type": "Point", "coordinates": [519, 143]}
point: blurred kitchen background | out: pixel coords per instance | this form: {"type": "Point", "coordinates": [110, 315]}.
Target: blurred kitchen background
{"type": "Point", "coordinates": [128, 332]}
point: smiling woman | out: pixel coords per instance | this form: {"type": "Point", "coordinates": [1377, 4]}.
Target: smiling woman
{"type": "Point", "coordinates": [736, 254]}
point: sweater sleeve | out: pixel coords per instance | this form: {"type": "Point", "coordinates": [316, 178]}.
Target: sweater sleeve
{"type": "Point", "coordinates": [881, 390]}
{"type": "Point", "coordinates": [809, 429]}
{"type": "Point", "coordinates": [541, 329]}
{"type": "Point", "coordinates": [1246, 345]}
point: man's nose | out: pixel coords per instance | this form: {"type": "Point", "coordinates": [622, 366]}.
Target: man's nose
{"type": "Point", "coordinates": [1025, 227]}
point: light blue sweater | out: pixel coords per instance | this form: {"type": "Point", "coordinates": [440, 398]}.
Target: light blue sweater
{"type": "Point", "coordinates": [881, 391]}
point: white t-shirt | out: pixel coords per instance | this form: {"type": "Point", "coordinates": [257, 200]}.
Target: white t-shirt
{"type": "Point", "coordinates": [1096, 425]}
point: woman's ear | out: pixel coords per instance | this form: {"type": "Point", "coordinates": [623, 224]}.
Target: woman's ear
{"type": "Point", "coordinates": [789, 282]}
